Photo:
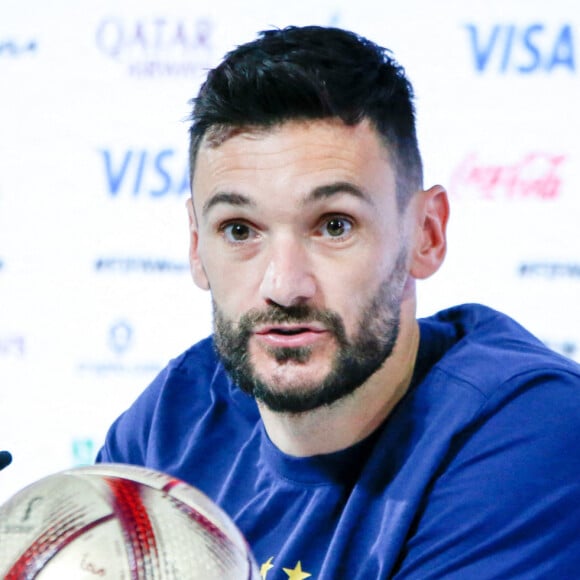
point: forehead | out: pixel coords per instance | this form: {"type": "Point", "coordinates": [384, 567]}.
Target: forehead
{"type": "Point", "coordinates": [294, 157]}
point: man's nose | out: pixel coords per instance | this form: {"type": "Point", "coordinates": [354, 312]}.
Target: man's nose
{"type": "Point", "coordinates": [288, 278]}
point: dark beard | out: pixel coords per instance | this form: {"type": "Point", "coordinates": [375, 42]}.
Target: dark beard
{"type": "Point", "coordinates": [355, 361]}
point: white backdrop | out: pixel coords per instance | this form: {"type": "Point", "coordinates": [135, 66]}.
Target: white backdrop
{"type": "Point", "coordinates": [95, 293]}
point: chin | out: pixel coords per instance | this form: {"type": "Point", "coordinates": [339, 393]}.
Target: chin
{"type": "Point", "coordinates": [292, 376]}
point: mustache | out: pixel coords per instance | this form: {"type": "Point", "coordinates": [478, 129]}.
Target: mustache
{"type": "Point", "coordinates": [297, 314]}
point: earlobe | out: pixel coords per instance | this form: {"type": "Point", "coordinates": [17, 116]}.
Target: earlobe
{"type": "Point", "coordinates": [197, 270]}
{"type": "Point", "coordinates": [431, 232]}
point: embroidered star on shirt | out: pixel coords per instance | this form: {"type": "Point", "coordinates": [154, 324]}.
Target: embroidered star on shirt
{"type": "Point", "coordinates": [297, 573]}
{"type": "Point", "coordinates": [265, 567]}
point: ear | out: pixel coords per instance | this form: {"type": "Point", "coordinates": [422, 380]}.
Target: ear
{"type": "Point", "coordinates": [197, 270]}
{"type": "Point", "coordinates": [430, 243]}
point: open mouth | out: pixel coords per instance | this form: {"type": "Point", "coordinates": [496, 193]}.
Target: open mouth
{"type": "Point", "coordinates": [291, 335]}
{"type": "Point", "coordinates": [288, 331]}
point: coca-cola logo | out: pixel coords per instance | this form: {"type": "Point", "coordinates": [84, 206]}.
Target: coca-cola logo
{"type": "Point", "coordinates": [535, 176]}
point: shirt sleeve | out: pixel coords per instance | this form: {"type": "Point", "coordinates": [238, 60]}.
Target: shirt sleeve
{"type": "Point", "coordinates": [127, 439]}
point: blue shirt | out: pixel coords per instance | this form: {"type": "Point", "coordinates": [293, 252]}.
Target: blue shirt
{"type": "Point", "coordinates": [474, 475]}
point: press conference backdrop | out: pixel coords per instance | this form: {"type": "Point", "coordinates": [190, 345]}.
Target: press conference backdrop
{"type": "Point", "coordinates": [95, 292]}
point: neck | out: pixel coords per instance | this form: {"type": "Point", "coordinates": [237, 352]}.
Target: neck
{"type": "Point", "coordinates": [353, 418]}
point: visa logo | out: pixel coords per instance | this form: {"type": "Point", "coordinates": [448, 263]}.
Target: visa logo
{"type": "Point", "coordinates": [145, 173]}
{"type": "Point", "coordinates": [507, 48]}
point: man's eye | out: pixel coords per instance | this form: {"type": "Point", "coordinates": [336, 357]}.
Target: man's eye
{"type": "Point", "coordinates": [337, 227]}
{"type": "Point", "coordinates": [237, 232]}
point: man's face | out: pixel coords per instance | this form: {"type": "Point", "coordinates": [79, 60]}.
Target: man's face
{"type": "Point", "coordinates": [297, 234]}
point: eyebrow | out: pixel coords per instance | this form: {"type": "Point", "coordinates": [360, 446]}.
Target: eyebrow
{"type": "Point", "coordinates": [318, 193]}
{"type": "Point", "coordinates": [326, 191]}
{"type": "Point", "coordinates": [229, 198]}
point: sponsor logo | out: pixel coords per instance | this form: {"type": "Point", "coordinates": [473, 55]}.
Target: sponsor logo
{"type": "Point", "coordinates": [143, 173]}
{"type": "Point", "coordinates": [15, 48]}
{"type": "Point", "coordinates": [566, 347]}
{"type": "Point", "coordinates": [157, 47]}
{"type": "Point", "coordinates": [120, 338]}
{"type": "Point", "coordinates": [549, 270]}
{"type": "Point", "coordinates": [12, 346]}
{"type": "Point", "coordinates": [535, 176]}
{"type": "Point", "coordinates": [524, 50]}
{"type": "Point", "coordinates": [335, 20]}
{"type": "Point", "coordinates": [83, 451]}
{"type": "Point", "coordinates": [130, 265]}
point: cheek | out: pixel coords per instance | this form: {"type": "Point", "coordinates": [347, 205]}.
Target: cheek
{"type": "Point", "coordinates": [353, 290]}
{"type": "Point", "coordinates": [348, 296]}
{"type": "Point", "coordinates": [233, 287]}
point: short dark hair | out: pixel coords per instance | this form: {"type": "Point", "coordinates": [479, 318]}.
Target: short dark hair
{"type": "Point", "coordinates": [309, 73]}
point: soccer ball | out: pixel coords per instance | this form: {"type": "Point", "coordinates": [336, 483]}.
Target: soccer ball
{"type": "Point", "coordinates": [119, 522]}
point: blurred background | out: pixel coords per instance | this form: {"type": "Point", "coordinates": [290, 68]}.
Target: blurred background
{"type": "Point", "coordinates": [95, 291]}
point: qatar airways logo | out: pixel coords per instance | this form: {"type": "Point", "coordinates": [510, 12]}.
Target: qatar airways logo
{"type": "Point", "coordinates": [509, 48]}
{"type": "Point", "coordinates": [157, 47]}
{"type": "Point", "coordinates": [536, 176]}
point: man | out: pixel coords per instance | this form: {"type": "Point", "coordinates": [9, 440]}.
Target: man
{"type": "Point", "coordinates": [344, 437]}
